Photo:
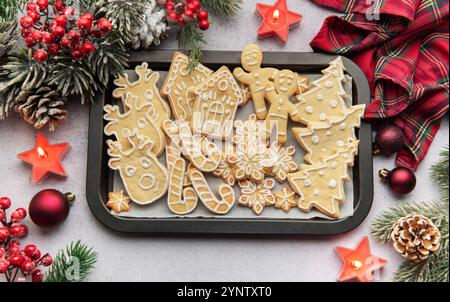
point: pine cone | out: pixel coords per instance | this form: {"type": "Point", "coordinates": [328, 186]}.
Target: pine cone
{"type": "Point", "coordinates": [152, 29]}
{"type": "Point", "coordinates": [415, 237]}
{"type": "Point", "coordinates": [8, 36]}
{"type": "Point", "coordinates": [41, 107]}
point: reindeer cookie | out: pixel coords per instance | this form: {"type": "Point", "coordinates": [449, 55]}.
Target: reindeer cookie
{"type": "Point", "coordinates": [226, 192]}
{"type": "Point", "coordinates": [145, 90]}
{"type": "Point", "coordinates": [256, 78]}
{"type": "Point", "coordinates": [216, 102]}
{"type": "Point", "coordinates": [278, 95]}
{"type": "Point", "coordinates": [139, 116]}
{"type": "Point", "coordinates": [144, 177]}
{"type": "Point", "coordinates": [178, 82]}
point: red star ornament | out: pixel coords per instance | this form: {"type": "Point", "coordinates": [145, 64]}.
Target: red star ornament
{"type": "Point", "coordinates": [359, 264]}
{"type": "Point", "coordinates": [45, 158]}
{"type": "Point", "coordinates": [277, 20]}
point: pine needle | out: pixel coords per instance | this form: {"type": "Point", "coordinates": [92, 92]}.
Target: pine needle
{"type": "Point", "coordinates": [439, 173]}
{"type": "Point", "coordinates": [10, 8]}
{"type": "Point", "coordinates": [223, 7]}
{"type": "Point", "coordinates": [74, 263]}
{"type": "Point", "coordinates": [190, 38]}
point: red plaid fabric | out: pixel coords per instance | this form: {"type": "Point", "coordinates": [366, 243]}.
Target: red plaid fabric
{"type": "Point", "coordinates": [404, 54]}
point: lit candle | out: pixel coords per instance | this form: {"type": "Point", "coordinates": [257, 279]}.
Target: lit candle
{"type": "Point", "coordinates": [45, 158]}
{"type": "Point", "coordinates": [277, 20]}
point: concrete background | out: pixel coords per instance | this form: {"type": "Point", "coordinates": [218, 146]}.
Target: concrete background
{"type": "Point", "coordinates": [133, 258]}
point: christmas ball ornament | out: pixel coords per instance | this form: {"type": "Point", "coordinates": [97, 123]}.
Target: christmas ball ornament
{"type": "Point", "coordinates": [401, 180]}
{"type": "Point", "coordinates": [415, 237]}
{"type": "Point", "coordinates": [40, 55]}
{"type": "Point", "coordinates": [389, 140]}
{"type": "Point", "coordinates": [50, 207]}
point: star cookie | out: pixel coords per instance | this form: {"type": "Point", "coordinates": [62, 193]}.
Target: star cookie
{"type": "Point", "coordinates": [118, 202]}
{"type": "Point", "coordinates": [285, 199]}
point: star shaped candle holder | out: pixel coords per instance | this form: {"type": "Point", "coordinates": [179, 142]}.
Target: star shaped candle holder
{"type": "Point", "coordinates": [45, 158]}
{"type": "Point", "coordinates": [277, 20]}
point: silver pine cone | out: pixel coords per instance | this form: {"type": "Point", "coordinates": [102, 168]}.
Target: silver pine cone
{"type": "Point", "coordinates": [152, 29]}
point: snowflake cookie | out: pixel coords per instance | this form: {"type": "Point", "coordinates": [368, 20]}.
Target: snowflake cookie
{"type": "Point", "coordinates": [281, 161]}
{"type": "Point", "coordinates": [225, 170]}
{"type": "Point", "coordinates": [250, 162]}
{"type": "Point", "coordinates": [249, 132]}
{"type": "Point", "coordinates": [285, 199]}
{"type": "Point", "coordinates": [257, 196]}
{"type": "Point", "coordinates": [118, 202]}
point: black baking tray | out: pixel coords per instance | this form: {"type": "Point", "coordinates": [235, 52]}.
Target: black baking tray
{"type": "Point", "coordinates": [99, 176]}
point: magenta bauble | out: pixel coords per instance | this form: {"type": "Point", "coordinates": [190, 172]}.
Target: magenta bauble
{"type": "Point", "coordinates": [50, 207]}
{"type": "Point", "coordinates": [389, 140]}
{"type": "Point", "coordinates": [401, 180]}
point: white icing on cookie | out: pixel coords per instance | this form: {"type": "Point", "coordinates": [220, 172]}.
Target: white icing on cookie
{"type": "Point", "coordinates": [315, 139]}
{"type": "Point", "coordinates": [307, 183]}
{"type": "Point", "coordinates": [332, 184]}
{"type": "Point", "coordinates": [309, 109]}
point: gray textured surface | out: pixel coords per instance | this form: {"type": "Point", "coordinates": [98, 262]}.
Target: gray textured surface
{"type": "Point", "coordinates": [133, 258]}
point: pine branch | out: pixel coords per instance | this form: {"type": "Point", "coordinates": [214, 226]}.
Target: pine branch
{"type": "Point", "coordinates": [10, 8]}
{"type": "Point", "coordinates": [74, 263]}
{"type": "Point", "coordinates": [190, 38]}
{"type": "Point", "coordinates": [439, 173]}
{"type": "Point", "coordinates": [8, 37]}
{"type": "Point", "coordinates": [223, 7]}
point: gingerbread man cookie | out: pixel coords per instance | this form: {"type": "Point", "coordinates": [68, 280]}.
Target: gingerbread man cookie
{"type": "Point", "coordinates": [144, 177]}
{"type": "Point", "coordinates": [256, 78]}
{"type": "Point", "coordinates": [278, 95]}
{"type": "Point", "coordinates": [257, 196]}
{"type": "Point", "coordinates": [145, 90]}
{"type": "Point", "coordinates": [178, 82]}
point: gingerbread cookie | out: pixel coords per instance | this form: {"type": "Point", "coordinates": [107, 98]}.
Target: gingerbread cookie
{"type": "Point", "coordinates": [246, 94]}
{"type": "Point", "coordinates": [180, 201]}
{"type": "Point", "coordinates": [225, 170]}
{"type": "Point", "coordinates": [177, 83]}
{"type": "Point", "coordinates": [257, 196]}
{"type": "Point", "coordinates": [249, 132]}
{"type": "Point", "coordinates": [202, 153]}
{"type": "Point", "coordinates": [278, 94]}
{"type": "Point", "coordinates": [250, 162]}
{"type": "Point", "coordinates": [144, 177]}
{"type": "Point", "coordinates": [321, 140]}
{"type": "Point", "coordinates": [302, 84]}
{"type": "Point", "coordinates": [285, 199]}
{"type": "Point", "coordinates": [172, 154]}
{"type": "Point", "coordinates": [145, 90]}
{"type": "Point", "coordinates": [321, 186]}
{"type": "Point", "coordinates": [216, 102]}
{"type": "Point", "coordinates": [218, 206]}
{"type": "Point", "coordinates": [256, 78]}
{"type": "Point", "coordinates": [324, 102]}
{"type": "Point", "coordinates": [281, 161]}
{"type": "Point", "coordinates": [139, 116]}
{"type": "Point", "coordinates": [118, 202]}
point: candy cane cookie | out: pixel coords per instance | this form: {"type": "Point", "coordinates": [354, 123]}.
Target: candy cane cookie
{"type": "Point", "coordinates": [180, 201]}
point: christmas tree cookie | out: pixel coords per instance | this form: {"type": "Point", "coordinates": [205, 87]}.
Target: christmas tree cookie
{"type": "Point", "coordinates": [178, 81]}
{"type": "Point", "coordinates": [325, 100]}
{"type": "Point", "coordinates": [322, 139]}
{"type": "Point", "coordinates": [216, 102]}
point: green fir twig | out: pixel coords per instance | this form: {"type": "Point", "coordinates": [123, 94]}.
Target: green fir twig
{"type": "Point", "coordinates": [223, 7]}
{"type": "Point", "coordinates": [191, 38]}
{"type": "Point", "coordinates": [439, 173]}
{"type": "Point", "coordinates": [74, 263]}
{"type": "Point", "coordinates": [9, 9]}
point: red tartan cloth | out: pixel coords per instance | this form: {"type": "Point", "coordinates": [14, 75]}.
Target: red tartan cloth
{"type": "Point", "coordinates": [405, 56]}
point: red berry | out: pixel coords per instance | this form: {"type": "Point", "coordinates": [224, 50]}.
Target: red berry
{"type": "Point", "coordinates": [53, 49]}
{"type": "Point", "coordinates": [58, 5]}
{"type": "Point", "coordinates": [104, 25]}
{"type": "Point", "coordinates": [84, 23]}
{"type": "Point", "coordinates": [64, 42]}
{"type": "Point", "coordinates": [27, 266]}
{"type": "Point", "coordinates": [87, 48]}
{"type": "Point", "coordinates": [30, 249]}
{"type": "Point", "coordinates": [47, 260]}
{"type": "Point", "coordinates": [36, 36]}
{"type": "Point", "coordinates": [5, 203]}
{"type": "Point", "coordinates": [2, 252]}
{"type": "Point", "coordinates": [14, 243]}
{"type": "Point", "coordinates": [173, 17]}
{"type": "Point", "coordinates": [37, 275]}
{"type": "Point", "coordinates": [202, 15]}
{"type": "Point", "coordinates": [96, 32]}
{"type": "Point", "coordinates": [13, 249]}
{"type": "Point", "coordinates": [47, 37]}
{"type": "Point", "coordinates": [181, 21]}
{"type": "Point", "coordinates": [4, 233]}
{"type": "Point", "coordinates": [188, 15]}
{"type": "Point", "coordinates": [68, 13]}
{"type": "Point", "coordinates": [29, 41]}
{"type": "Point", "coordinates": [88, 16]}
{"type": "Point", "coordinates": [3, 265]}
{"type": "Point", "coordinates": [76, 53]}
{"type": "Point", "coordinates": [32, 7]}
{"type": "Point", "coordinates": [26, 21]}
{"type": "Point", "coordinates": [25, 32]}
{"type": "Point", "coordinates": [203, 24]}
{"type": "Point", "coordinates": [34, 15]}
{"type": "Point", "coordinates": [61, 20]}
{"type": "Point", "coordinates": [73, 35]}
{"type": "Point", "coordinates": [191, 6]}
{"type": "Point", "coordinates": [20, 230]}
{"type": "Point", "coordinates": [58, 31]}
{"type": "Point", "coordinates": [20, 213]}
{"type": "Point", "coordinates": [197, 4]}
{"type": "Point", "coordinates": [16, 260]}
{"type": "Point", "coordinates": [169, 6]}
{"type": "Point", "coordinates": [43, 4]}
{"type": "Point", "coordinates": [2, 214]}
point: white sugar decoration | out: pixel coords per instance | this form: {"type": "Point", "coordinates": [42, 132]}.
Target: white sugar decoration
{"type": "Point", "coordinates": [319, 97]}
{"type": "Point", "coordinates": [315, 139]}
{"type": "Point", "coordinates": [333, 103]}
{"type": "Point", "coordinates": [334, 165]}
{"type": "Point", "coordinates": [342, 126]}
{"type": "Point", "coordinates": [316, 192]}
{"type": "Point", "coordinates": [323, 117]}
{"type": "Point", "coordinates": [307, 183]}
{"type": "Point", "coordinates": [340, 143]}
{"type": "Point", "coordinates": [321, 173]}
{"type": "Point", "coordinates": [328, 133]}
{"type": "Point", "coordinates": [329, 84]}
{"type": "Point", "coordinates": [332, 184]}
{"type": "Point", "coordinates": [309, 109]}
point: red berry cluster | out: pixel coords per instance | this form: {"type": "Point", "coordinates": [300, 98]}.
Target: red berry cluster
{"type": "Point", "coordinates": [59, 32]}
{"type": "Point", "coordinates": [28, 259]}
{"type": "Point", "coordinates": [182, 11]}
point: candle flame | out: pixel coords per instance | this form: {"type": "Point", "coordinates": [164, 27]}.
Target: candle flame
{"type": "Point", "coordinates": [41, 152]}
{"type": "Point", "coordinates": [356, 264]}
{"type": "Point", "coordinates": [276, 15]}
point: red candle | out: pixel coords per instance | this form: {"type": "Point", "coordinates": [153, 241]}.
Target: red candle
{"type": "Point", "coordinates": [359, 264]}
{"type": "Point", "coordinates": [276, 20]}
{"type": "Point", "coordinates": [45, 158]}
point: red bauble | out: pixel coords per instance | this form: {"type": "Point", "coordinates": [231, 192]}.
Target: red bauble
{"type": "Point", "coordinates": [202, 15]}
{"type": "Point", "coordinates": [50, 207]}
{"type": "Point", "coordinates": [401, 180]}
{"type": "Point", "coordinates": [26, 21]}
{"type": "Point", "coordinates": [5, 203]}
{"type": "Point", "coordinates": [203, 24]}
{"type": "Point", "coordinates": [104, 25]}
{"type": "Point", "coordinates": [40, 55]}
{"type": "Point", "coordinates": [389, 140]}
{"type": "Point", "coordinates": [87, 48]}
